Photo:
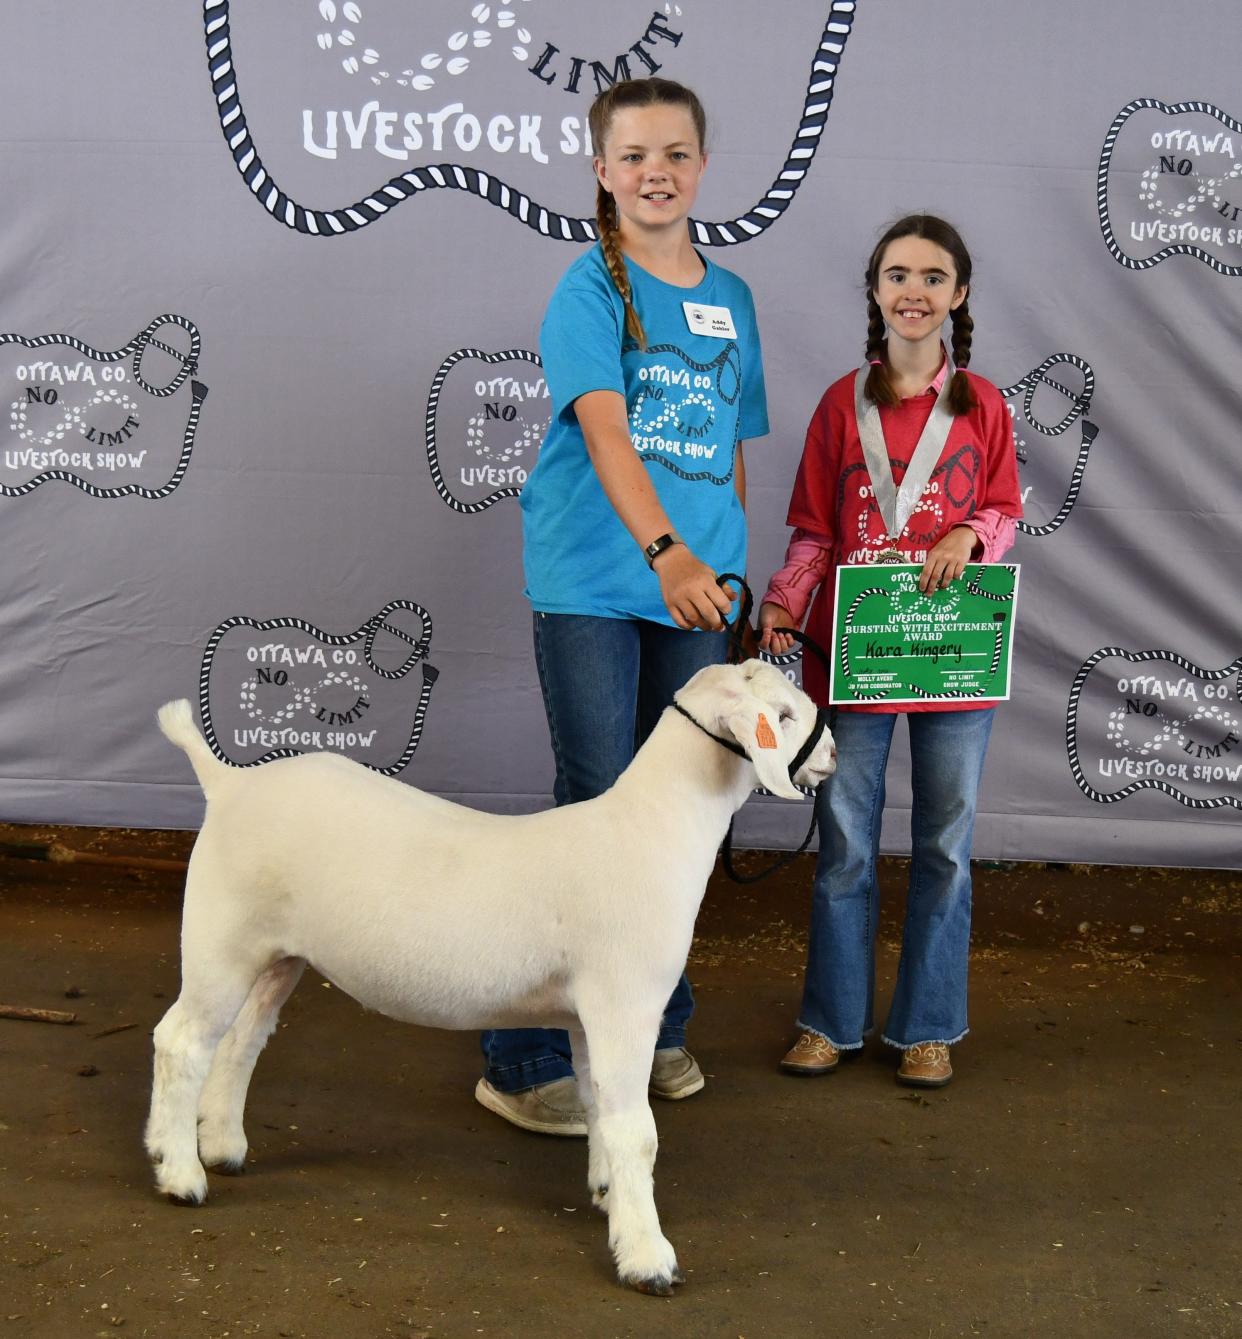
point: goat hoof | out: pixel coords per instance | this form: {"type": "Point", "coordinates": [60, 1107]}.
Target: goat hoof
{"type": "Point", "coordinates": [229, 1168]}
{"type": "Point", "coordinates": [654, 1287]}
{"type": "Point", "coordinates": [185, 1201]}
{"type": "Point", "coordinates": [190, 1189]}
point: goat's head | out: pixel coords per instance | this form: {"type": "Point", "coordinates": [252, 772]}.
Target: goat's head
{"type": "Point", "coordinates": [755, 706]}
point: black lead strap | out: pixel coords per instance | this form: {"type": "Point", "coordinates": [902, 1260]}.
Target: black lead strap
{"type": "Point", "coordinates": [737, 631]}
{"type": "Point", "coordinates": [726, 857]}
{"type": "Point", "coordinates": [739, 651]}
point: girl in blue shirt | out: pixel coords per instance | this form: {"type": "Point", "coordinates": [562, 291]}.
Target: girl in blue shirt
{"type": "Point", "coordinates": [653, 365]}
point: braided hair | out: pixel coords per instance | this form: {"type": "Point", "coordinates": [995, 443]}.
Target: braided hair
{"type": "Point", "coordinates": [879, 386]}
{"type": "Point", "coordinates": [624, 94]}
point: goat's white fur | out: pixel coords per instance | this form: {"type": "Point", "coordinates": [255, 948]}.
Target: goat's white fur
{"type": "Point", "coordinates": [579, 917]}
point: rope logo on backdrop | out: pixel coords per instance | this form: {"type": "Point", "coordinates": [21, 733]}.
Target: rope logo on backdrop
{"type": "Point", "coordinates": [1187, 160]}
{"type": "Point", "coordinates": [1043, 406]}
{"type": "Point", "coordinates": [424, 101]}
{"type": "Point", "coordinates": [1153, 720]}
{"type": "Point", "coordinates": [113, 424]}
{"type": "Point", "coordinates": [277, 687]}
{"type": "Point", "coordinates": [493, 420]}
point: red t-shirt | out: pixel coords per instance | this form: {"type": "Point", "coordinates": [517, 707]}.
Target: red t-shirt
{"type": "Point", "coordinates": [832, 495]}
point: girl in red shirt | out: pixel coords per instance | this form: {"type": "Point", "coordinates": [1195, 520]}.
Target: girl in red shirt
{"type": "Point", "coordinates": [951, 496]}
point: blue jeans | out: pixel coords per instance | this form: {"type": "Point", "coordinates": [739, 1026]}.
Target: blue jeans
{"type": "Point", "coordinates": [605, 683]}
{"type": "Point", "coordinates": [947, 749]}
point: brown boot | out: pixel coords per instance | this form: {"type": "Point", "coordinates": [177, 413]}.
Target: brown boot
{"type": "Point", "coordinates": [811, 1054]}
{"type": "Point", "coordinates": [925, 1065]}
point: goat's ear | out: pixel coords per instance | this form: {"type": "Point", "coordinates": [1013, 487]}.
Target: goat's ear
{"type": "Point", "coordinates": [754, 726]}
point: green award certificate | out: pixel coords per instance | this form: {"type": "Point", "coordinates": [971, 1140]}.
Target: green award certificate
{"type": "Point", "coordinates": [891, 643]}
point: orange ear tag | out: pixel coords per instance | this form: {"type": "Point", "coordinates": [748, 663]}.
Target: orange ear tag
{"type": "Point", "coordinates": [763, 734]}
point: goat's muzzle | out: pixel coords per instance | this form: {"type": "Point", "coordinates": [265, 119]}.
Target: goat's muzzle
{"type": "Point", "coordinates": [823, 719]}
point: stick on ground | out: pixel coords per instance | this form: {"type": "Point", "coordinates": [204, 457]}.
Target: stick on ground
{"type": "Point", "coordinates": [36, 1015]}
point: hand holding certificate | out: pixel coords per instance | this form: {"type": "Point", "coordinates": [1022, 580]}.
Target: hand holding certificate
{"type": "Point", "coordinates": [892, 643]}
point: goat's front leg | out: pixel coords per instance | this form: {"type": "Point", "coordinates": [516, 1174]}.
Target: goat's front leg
{"type": "Point", "coordinates": [597, 1159]}
{"type": "Point", "coordinates": [620, 1058]}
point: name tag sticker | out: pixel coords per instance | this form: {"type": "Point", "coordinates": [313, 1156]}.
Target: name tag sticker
{"type": "Point", "coordinates": [714, 321]}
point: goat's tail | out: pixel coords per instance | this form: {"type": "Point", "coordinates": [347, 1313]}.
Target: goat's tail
{"type": "Point", "coordinates": [177, 722]}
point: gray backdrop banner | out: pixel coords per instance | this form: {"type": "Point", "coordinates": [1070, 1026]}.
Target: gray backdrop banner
{"type": "Point", "coordinates": [272, 278]}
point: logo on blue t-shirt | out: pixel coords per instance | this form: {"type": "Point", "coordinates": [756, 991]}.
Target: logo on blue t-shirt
{"type": "Point", "coordinates": [684, 416]}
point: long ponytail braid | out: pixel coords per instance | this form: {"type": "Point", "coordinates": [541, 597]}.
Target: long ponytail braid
{"type": "Point", "coordinates": [961, 397]}
{"type": "Point", "coordinates": [879, 386]}
{"type": "Point", "coordinates": [610, 245]}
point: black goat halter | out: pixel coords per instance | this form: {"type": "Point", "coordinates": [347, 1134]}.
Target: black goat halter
{"type": "Point", "coordinates": [742, 643]}
{"type": "Point", "coordinates": [823, 720]}
{"type": "Point", "coordinates": [729, 744]}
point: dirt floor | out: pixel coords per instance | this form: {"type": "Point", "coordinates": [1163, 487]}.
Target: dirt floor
{"type": "Point", "coordinates": [1079, 1177]}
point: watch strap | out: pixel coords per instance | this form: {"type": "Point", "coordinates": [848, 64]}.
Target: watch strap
{"type": "Point", "coordinates": [658, 545]}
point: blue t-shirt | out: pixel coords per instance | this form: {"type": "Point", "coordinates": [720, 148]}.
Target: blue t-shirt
{"type": "Point", "coordinates": [691, 398]}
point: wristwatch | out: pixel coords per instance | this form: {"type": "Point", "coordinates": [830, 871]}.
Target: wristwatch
{"type": "Point", "coordinates": [658, 545]}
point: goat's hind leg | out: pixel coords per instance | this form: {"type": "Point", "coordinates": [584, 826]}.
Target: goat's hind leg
{"type": "Point", "coordinates": [597, 1158]}
{"type": "Point", "coordinates": [221, 1105]}
{"type": "Point", "coordinates": [185, 1042]}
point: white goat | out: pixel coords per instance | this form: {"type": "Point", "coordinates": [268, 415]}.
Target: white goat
{"type": "Point", "coordinates": [578, 918]}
